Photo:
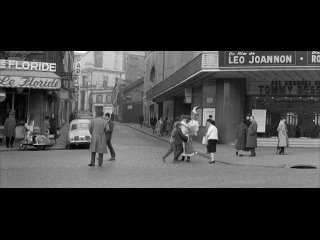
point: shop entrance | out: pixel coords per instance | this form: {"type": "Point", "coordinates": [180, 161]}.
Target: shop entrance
{"type": "Point", "coordinates": [17, 102]}
{"type": "Point", "coordinates": [302, 114]}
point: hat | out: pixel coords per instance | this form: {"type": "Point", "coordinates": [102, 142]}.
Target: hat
{"type": "Point", "coordinates": [195, 110]}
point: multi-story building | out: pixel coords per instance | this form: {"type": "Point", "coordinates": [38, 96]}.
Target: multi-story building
{"type": "Point", "coordinates": [30, 84]}
{"type": "Point", "coordinates": [134, 65]}
{"type": "Point", "coordinates": [99, 73]}
{"type": "Point", "coordinates": [231, 84]}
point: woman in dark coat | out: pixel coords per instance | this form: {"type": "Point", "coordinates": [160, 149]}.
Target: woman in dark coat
{"type": "Point", "coordinates": [53, 126]}
{"type": "Point", "coordinates": [252, 137]}
{"type": "Point", "coordinates": [241, 139]}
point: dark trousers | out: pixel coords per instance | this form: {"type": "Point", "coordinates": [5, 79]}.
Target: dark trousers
{"type": "Point", "coordinates": [179, 151]}
{"type": "Point", "coordinates": [253, 151]}
{"type": "Point", "coordinates": [171, 150]}
{"type": "Point", "coordinates": [10, 140]}
{"type": "Point", "coordinates": [113, 154]}
{"type": "Point", "coordinates": [93, 158]}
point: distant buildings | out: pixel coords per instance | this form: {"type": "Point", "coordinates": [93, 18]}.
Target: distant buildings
{"type": "Point", "coordinates": [101, 72]}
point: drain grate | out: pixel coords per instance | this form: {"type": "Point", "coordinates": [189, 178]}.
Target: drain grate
{"type": "Point", "coordinates": [304, 167]}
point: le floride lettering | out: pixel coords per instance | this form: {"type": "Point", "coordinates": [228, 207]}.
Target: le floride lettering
{"type": "Point", "coordinates": [30, 82]}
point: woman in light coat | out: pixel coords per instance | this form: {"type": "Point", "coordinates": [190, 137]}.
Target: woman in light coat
{"type": "Point", "coordinates": [252, 137]}
{"type": "Point", "coordinates": [188, 150]}
{"type": "Point", "coordinates": [212, 136]}
{"type": "Point", "coordinates": [241, 138]}
{"type": "Point", "coordinates": [283, 140]}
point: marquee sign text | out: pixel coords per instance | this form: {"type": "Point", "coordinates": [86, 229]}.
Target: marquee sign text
{"type": "Point", "coordinates": [269, 58]}
{"type": "Point", "coordinates": [29, 82]}
{"type": "Point", "coordinates": [28, 66]}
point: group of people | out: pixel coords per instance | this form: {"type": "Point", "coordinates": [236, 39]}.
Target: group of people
{"type": "Point", "coordinates": [101, 130]}
{"type": "Point", "coordinates": [49, 126]}
{"type": "Point", "coordinates": [162, 126]}
{"type": "Point", "coordinates": [247, 137]}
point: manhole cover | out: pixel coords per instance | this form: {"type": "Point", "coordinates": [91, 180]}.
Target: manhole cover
{"type": "Point", "coordinates": [304, 167]}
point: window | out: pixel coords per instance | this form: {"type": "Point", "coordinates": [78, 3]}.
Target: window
{"type": "Point", "coordinates": [99, 99]}
{"type": "Point", "coordinates": [152, 75]}
{"type": "Point", "coordinates": [98, 56]}
{"type": "Point", "coordinates": [105, 81]}
{"type": "Point", "coordinates": [108, 99]}
{"type": "Point", "coordinates": [292, 119]}
{"type": "Point", "coordinates": [317, 119]}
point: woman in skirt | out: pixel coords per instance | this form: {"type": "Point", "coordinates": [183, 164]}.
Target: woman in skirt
{"type": "Point", "coordinates": [212, 136]}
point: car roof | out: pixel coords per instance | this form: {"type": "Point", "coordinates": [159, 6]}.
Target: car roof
{"type": "Point", "coordinates": [77, 121]}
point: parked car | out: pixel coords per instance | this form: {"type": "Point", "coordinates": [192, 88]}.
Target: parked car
{"type": "Point", "coordinates": [79, 133]}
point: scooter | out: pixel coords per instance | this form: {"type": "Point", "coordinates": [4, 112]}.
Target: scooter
{"type": "Point", "coordinates": [40, 142]}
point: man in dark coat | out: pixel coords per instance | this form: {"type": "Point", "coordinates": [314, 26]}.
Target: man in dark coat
{"type": "Point", "coordinates": [153, 122]}
{"type": "Point", "coordinates": [141, 119]}
{"type": "Point", "coordinates": [164, 126]}
{"type": "Point", "coordinates": [54, 127]}
{"type": "Point", "coordinates": [241, 139]}
{"type": "Point", "coordinates": [252, 137]}
{"type": "Point", "coordinates": [10, 129]}
{"type": "Point", "coordinates": [109, 131]}
{"type": "Point", "coordinates": [98, 140]}
{"type": "Point", "coordinates": [178, 138]}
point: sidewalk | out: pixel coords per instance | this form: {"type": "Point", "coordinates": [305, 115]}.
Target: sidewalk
{"type": "Point", "coordinates": [61, 141]}
{"type": "Point", "coordinates": [266, 156]}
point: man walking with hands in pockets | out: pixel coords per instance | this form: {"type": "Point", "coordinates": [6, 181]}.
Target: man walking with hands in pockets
{"type": "Point", "coordinates": [109, 131]}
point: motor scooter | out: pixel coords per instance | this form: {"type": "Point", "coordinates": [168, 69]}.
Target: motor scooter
{"type": "Point", "coordinates": [38, 141]}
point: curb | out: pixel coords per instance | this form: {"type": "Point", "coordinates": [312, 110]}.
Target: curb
{"type": "Point", "coordinates": [226, 163]}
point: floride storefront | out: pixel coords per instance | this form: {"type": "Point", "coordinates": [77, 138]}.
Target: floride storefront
{"type": "Point", "coordinates": [27, 88]}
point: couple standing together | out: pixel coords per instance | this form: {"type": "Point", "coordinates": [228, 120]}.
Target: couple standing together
{"type": "Point", "coordinates": [101, 130]}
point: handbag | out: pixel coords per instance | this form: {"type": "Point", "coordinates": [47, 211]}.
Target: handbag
{"type": "Point", "coordinates": [205, 140]}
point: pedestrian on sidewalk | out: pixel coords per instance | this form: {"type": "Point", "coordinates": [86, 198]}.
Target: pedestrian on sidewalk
{"type": "Point", "coordinates": [109, 132]}
{"type": "Point", "coordinates": [212, 136]}
{"type": "Point", "coordinates": [141, 120]}
{"type": "Point", "coordinates": [178, 139]}
{"type": "Point", "coordinates": [252, 137]}
{"type": "Point", "coordinates": [10, 129]}
{"type": "Point", "coordinates": [30, 136]}
{"type": "Point", "coordinates": [45, 128]}
{"type": "Point", "coordinates": [164, 126]}
{"type": "Point", "coordinates": [153, 122]}
{"type": "Point", "coordinates": [159, 127]}
{"type": "Point", "coordinates": [283, 140]}
{"type": "Point", "coordinates": [170, 127]}
{"type": "Point", "coordinates": [207, 127]}
{"type": "Point", "coordinates": [241, 139]}
{"type": "Point", "coordinates": [172, 146]}
{"type": "Point", "coordinates": [54, 125]}
{"type": "Point", "coordinates": [98, 141]}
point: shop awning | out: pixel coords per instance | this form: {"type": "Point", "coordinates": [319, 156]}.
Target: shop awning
{"type": "Point", "coordinates": [29, 79]}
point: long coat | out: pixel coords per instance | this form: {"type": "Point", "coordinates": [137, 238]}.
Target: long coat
{"type": "Point", "coordinates": [282, 135]}
{"type": "Point", "coordinates": [252, 135]}
{"type": "Point", "coordinates": [10, 127]}
{"type": "Point", "coordinates": [241, 137]}
{"type": "Point", "coordinates": [98, 140]}
{"type": "Point", "coordinates": [188, 150]}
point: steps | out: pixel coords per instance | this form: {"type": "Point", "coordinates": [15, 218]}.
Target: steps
{"type": "Point", "coordinates": [293, 142]}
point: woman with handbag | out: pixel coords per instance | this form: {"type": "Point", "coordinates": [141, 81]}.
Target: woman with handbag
{"type": "Point", "coordinates": [212, 136]}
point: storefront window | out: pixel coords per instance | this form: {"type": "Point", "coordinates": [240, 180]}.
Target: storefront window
{"type": "Point", "coordinates": [302, 115]}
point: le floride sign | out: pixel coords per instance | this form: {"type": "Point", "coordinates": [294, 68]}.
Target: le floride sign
{"type": "Point", "coordinates": [29, 82]}
{"type": "Point", "coordinates": [15, 80]}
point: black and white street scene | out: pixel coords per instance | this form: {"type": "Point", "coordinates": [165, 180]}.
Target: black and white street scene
{"type": "Point", "coordinates": [159, 119]}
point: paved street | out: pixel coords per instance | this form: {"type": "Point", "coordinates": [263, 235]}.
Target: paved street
{"type": "Point", "coordinates": [139, 165]}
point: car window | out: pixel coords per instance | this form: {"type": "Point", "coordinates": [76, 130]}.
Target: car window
{"type": "Point", "coordinates": [80, 126]}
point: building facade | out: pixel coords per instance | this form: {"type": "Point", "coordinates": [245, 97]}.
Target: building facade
{"type": "Point", "coordinates": [99, 73]}
{"type": "Point", "coordinates": [231, 84]}
{"type": "Point", "coordinates": [31, 85]}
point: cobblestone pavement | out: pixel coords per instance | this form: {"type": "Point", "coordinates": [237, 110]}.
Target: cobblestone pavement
{"type": "Point", "coordinates": [266, 156]}
{"type": "Point", "coordinates": [139, 165]}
